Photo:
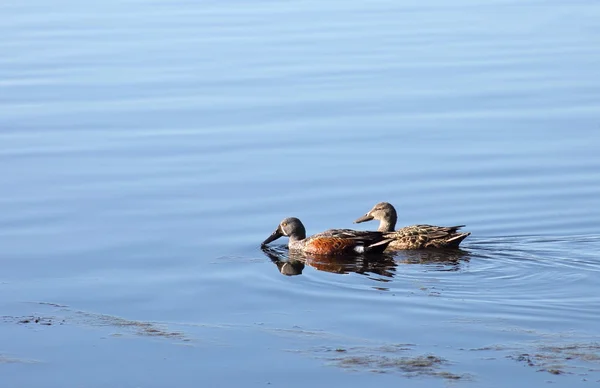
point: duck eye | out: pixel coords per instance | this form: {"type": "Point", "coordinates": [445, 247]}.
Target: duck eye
{"type": "Point", "coordinates": [284, 224]}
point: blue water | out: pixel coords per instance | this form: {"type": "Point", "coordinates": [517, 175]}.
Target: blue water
{"type": "Point", "coordinates": [147, 148]}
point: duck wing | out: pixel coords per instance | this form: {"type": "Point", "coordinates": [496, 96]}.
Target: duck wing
{"type": "Point", "coordinates": [427, 236]}
{"type": "Point", "coordinates": [361, 241]}
{"type": "Point", "coordinates": [359, 235]}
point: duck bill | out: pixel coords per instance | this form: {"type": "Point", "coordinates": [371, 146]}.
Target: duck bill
{"type": "Point", "coordinates": [274, 236]}
{"type": "Point", "coordinates": [365, 218]}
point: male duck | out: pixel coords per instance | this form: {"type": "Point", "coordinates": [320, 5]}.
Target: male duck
{"type": "Point", "coordinates": [330, 242]}
{"type": "Point", "coordinates": [414, 236]}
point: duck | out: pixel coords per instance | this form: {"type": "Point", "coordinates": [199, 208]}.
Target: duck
{"type": "Point", "coordinates": [414, 236]}
{"type": "Point", "coordinates": [330, 242]}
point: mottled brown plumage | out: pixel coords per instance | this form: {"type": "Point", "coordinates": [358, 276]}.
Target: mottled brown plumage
{"type": "Point", "coordinates": [414, 236]}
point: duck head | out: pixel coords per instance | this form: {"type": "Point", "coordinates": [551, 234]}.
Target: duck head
{"type": "Point", "coordinates": [383, 212]}
{"type": "Point", "coordinates": [290, 227]}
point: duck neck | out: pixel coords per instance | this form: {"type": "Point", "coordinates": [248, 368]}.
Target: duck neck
{"type": "Point", "coordinates": [294, 239]}
{"type": "Point", "coordinates": [297, 236]}
{"type": "Point", "coordinates": [387, 224]}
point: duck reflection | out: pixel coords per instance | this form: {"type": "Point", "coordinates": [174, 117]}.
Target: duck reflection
{"type": "Point", "coordinates": [292, 263]}
{"type": "Point", "coordinates": [443, 260]}
{"type": "Point", "coordinates": [288, 266]}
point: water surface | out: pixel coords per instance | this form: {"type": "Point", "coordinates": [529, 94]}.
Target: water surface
{"type": "Point", "coordinates": [146, 148]}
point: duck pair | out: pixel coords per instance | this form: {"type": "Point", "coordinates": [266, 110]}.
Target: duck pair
{"type": "Point", "coordinates": [348, 241]}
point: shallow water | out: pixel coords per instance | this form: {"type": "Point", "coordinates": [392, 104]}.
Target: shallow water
{"type": "Point", "coordinates": [146, 148]}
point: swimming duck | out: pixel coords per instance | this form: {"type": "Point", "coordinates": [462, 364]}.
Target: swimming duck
{"type": "Point", "coordinates": [329, 242]}
{"type": "Point", "coordinates": [414, 236]}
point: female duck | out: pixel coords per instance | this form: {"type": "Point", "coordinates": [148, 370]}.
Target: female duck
{"type": "Point", "coordinates": [414, 236]}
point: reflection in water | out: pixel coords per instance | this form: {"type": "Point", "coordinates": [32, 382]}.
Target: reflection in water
{"type": "Point", "coordinates": [292, 262]}
{"type": "Point", "coordinates": [438, 259]}
{"type": "Point", "coordinates": [287, 266]}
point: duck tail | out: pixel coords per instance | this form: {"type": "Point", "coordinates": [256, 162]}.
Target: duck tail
{"type": "Point", "coordinates": [454, 241]}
